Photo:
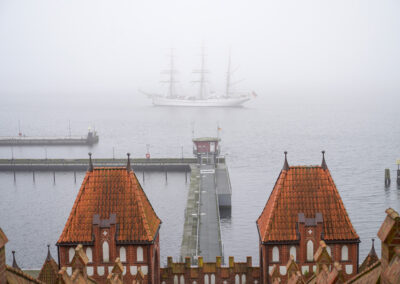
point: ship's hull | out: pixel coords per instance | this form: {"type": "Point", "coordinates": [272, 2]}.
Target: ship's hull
{"type": "Point", "coordinates": [217, 102]}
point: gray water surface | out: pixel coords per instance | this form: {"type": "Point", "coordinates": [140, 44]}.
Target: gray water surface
{"type": "Point", "coordinates": [360, 142]}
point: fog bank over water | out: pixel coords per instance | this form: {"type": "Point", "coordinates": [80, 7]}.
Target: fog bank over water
{"type": "Point", "coordinates": [104, 51]}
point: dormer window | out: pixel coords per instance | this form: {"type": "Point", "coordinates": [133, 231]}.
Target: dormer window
{"type": "Point", "coordinates": [293, 252]}
{"type": "Point", "coordinates": [71, 253]}
{"type": "Point", "coordinates": [89, 254]}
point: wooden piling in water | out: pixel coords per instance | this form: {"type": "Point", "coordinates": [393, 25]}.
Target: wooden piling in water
{"type": "Point", "coordinates": [54, 177]}
{"type": "Point", "coordinates": [387, 177]}
{"type": "Point", "coordinates": [75, 176]}
{"type": "Point", "coordinates": [33, 176]}
{"type": "Point", "coordinates": [143, 177]}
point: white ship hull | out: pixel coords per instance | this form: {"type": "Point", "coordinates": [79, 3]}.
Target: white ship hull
{"type": "Point", "coordinates": [217, 102]}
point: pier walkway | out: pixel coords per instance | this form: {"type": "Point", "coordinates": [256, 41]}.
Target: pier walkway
{"type": "Point", "coordinates": [210, 243]}
{"type": "Point", "coordinates": [155, 164]}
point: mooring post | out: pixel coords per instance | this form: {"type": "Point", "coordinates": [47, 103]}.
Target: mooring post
{"type": "Point", "coordinates": [166, 174]}
{"type": "Point", "coordinates": [398, 173]}
{"type": "Point", "coordinates": [143, 177]}
{"type": "Point", "coordinates": [15, 177]}
{"type": "Point", "coordinates": [75, 176]}
{"type": "Point", "coordinates": [185, 176]}
{"type": "Point", "coordinates": [54, 177]}
{"type": "Point", "coordinates": [387, 177]}
{"type": "Point", "coordinates": [33, 176]}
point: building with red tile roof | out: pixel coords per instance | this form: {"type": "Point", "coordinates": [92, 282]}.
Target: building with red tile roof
{"type": "Point", "coordinates": [304, 208]}
{"type": "Point", "coordinates": [112, 217]}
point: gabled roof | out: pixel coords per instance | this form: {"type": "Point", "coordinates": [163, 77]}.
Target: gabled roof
{"type": "Point", "coordinates": [109, 191]}
{"type": "Point", "coordinates": [309, 190]}
{"type": "Point", "coordinates": [49, 271]}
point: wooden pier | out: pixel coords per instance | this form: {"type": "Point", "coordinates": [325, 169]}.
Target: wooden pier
{"type": "Point", "coordinates": [76, 165]}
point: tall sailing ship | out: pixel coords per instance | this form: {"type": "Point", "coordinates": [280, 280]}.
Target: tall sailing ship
{"type": "Point", "coordinates": [204, 97]}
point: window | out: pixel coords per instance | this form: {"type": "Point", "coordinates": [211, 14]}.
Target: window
{"type": "Point", "coordinates": [122, 254]}
{"type": "Point", "coordinates": [206, 279]}
{"type": "Point", "coordinates": [89, 254]}
{"type": "Point", "coordinates": [106, 252]}
{"type": "Point", "coordinates": [275, 254]}
{"type": "Point", "coordinates": [139, 254]}
{"type": "Point", "coordinates": [293, 252]}
{"type": "Point", "coordinates": [243, 278]}
{"type": "Point", "coordinates": [328, 249]}
{"type": "Point", "coordinates": [71, 253]}
{"type": "Point", "coordinates": [176, 281]}
{"type": "Point", "coordinates": [182, 280]}
{"type": "Point", "coordinates": [212, 279]}
{"type": "Point", "coordinates": [237, 279]}
{"type": "Point", "coordinates": [345, 253]}
{"type": "Point", "coordinates": [310, 250]}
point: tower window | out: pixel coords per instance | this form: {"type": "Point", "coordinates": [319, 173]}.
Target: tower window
{"type": "Point", "coordinates": [310, 250]}
{"type": "Point", "coordinates": [275, 254]}
{"type": "Point", "coordinates": [139, 254]}
{"type": "Point", "coordinates": [106, 252]}
{"type": "Point", "coordinates": [345, 253]}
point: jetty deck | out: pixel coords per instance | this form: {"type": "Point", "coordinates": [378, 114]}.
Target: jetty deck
{"type": "Point", "coordinates": [154, 164]}
{"type": "Point", "coordinates": [210, 243]}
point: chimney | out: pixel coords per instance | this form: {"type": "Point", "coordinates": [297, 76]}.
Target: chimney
{"type": "Point", "coordinates": [14, 264]}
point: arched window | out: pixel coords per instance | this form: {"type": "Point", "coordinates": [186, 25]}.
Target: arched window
{"type": "Point", "coordinates": [206, 279]}
{"type": "Point", "coordinates": [176, 280]}
{"type": "Point", "coordinates": [237, 279]}
{"type": "Point", "coordinates": [182, 280]}
{"type": "Point", "coordinates": [345, 253]}
{"type": "Point", "coordinates": [89, 254]}
{"type": "Point", "coordinates": [122, 254]}
{"type": "Point", "coordinates": [139, 254]}
{"type": "Point", "coordinates": [243, 278]}
{"type": "Point", "coordinates": [106, 252]}
{"type": "Point", "coordinates": [212, 278]}
{"type": "Point", "coordinates": [310, 250]}
{"type": "Point", "coordinates": [71, 253]}
{"type": "Point", "coordinates": [328, 249]}
{"type": "Point", "coordinates": [275, 254]}
{"type": "Point", "coordinates": [194, 282]}
{"type": "Point", "coordinates": [293, 252]}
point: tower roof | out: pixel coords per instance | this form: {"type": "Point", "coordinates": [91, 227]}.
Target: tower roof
{"type": "Point", "coordinates": [309, 190]}
{"type": "Point", "coordinates": [107, 192]}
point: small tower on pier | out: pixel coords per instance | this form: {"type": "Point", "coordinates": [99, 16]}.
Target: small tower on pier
{"type": "Point", "coordinates": [206, 149]}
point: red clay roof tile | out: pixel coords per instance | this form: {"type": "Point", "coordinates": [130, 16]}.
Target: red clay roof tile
{"type": "Point", "coordinates": [107, 191]}
{"type": "Point", "coordinates": [308, 190]}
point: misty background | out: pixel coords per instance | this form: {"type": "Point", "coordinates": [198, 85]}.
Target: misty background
{"type": "Point", "coordinates": [75, 53]}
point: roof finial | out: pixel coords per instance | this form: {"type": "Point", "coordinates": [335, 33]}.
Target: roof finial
{"type": "Point", "coordinates": [323, 164]}
{"type": "Point", "coordinates": [90, 163]}
{"type": "Point", "coordinates": [128, 165]}
{"type": "Point", "coordinates": [48, 258]}
{"type": "Point", "coordinates": [14, 264]}
{"type": "Point", "coordinates": [286, 164]}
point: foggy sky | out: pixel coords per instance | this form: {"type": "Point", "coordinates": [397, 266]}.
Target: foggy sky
{"type": "Point", "coordinates": [106, 50]}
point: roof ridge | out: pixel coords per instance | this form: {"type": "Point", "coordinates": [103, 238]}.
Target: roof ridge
{"type": "Point", "coordinates": [23, 274]}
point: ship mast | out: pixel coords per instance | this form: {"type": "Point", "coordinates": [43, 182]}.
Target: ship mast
{"type": "Point", "coordinates": [228, 76]}
{"type": "Point", "coordinates": [171, 76]}
{"type": "Point", "coordinates": [202, 72]}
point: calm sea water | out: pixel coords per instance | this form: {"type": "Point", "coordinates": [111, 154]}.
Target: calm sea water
{"type": "Point", "coordinates": [360, 142]}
